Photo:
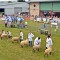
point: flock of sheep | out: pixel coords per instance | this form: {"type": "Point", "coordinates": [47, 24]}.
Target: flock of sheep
{"type": "Point", "coordinates": [26, 43]}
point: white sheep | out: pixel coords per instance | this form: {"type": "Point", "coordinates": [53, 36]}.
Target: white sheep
{"type": "Point", "coordinates": [15, 39]}
{"type": "Point", "coordinates": [4, 36]}
{"type": "Point", "coordinates": [36, 47]}
{"type": "Point", "coordinates": [25, 42]}
{"type": "Point", "coordinates": [48, 51]}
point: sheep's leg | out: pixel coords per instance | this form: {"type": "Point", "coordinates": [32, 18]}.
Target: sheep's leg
{"type": "Point", "coordinates": [50, 53]}
{"type": "Point", "coordinates": [33, 50]}
{"type": "Point", "coordinates": [44, 55]}
{"type": "Point", "coordinates": [47, 55]}
{"type": "Point", "coordinates": [12, 41]}
{"type": "Point", "coordinates": [26, 45]}
{"type": "Point", "coordinates": [1, 38]}
{"type": "Point", "coordinates": [17, 41]}
{"type": "Point", "coordinates": [21, 46]}
{"type": "Point", "coordinates": [38, 49]}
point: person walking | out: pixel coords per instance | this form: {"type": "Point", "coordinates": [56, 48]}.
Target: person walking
{"type": "Point", "coordinates": [37, 41]}
{"type": "Point", "coordinates": [48, 42]}
{"type": "Point", "coordinates": [21, 36]}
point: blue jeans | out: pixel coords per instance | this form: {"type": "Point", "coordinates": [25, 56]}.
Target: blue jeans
{"type": "Point", "coordinates": [30, 43]}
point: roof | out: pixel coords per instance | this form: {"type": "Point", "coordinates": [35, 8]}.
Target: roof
{"type": "Point", "coordinates": [44, 0]}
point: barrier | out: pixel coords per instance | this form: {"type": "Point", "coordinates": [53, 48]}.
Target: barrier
{"type": "Point", "coordinates": [44, 31]}
{"type": "Point", "coordinates": [53, 23]}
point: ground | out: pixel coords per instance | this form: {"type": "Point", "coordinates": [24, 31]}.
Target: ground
{"type": "Point", "coordinates": [13, 51]}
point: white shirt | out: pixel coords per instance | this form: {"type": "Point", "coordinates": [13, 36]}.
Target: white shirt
{"type": "Point", "coordinates": [10, 18]}
{"type": "Point", "coordinates": [30, 35]}
{"type": "Point", "coordinates": [9, 33]}
{"type": "Point", "coordinates": [18, 19]}
{"type": "Point", "coordinates": [36, 41]}
{"type": "Point", "coordinates": [48, 42]}
{"type": "Point", "coordinates": [3, 32]}
{"type": "Point", "coordinates": [21, 34]}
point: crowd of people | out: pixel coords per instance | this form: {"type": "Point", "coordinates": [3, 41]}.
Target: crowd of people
{"type": "Point", "coordinates": [47, 19]}
{"type": "Point", "coordinates": [12, 21]}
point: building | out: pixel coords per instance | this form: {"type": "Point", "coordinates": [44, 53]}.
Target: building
{"type": "Point", "coordinates": [44, 7]}
{"type": "Point", "coordinates": [14, 7]}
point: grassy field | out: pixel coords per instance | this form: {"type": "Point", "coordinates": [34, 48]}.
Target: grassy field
{"type": "Point", "coordinates": [13, 51]}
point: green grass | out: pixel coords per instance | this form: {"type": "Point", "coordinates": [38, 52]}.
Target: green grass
{"type": "Point", "coordinates": [13, 51]}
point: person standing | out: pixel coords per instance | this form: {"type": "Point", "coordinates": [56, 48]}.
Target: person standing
{"type": "Point", "coordinates": [48, 42]}
{"type": "Point", "coordinates": [44, 25]}
{"type": "Point", "coordinates": [30, 36]}
{"type": "Point", "coordinates": [21, 36]}
{"type": "Point", "coordinates": [6, 20]}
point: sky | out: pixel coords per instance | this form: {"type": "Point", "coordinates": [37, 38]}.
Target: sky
{"type": "Point", "coordinates": [11, 0]}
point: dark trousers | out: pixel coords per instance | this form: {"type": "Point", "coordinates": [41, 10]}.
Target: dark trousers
{"type": "Point", "coordinates": [30, 43]}
{"type": "Point", "coordinates": [9, 36]}
{"type": "Point", "coordinates": [21, 39]}
{"type": "Point", "coordinates": [5, 24]}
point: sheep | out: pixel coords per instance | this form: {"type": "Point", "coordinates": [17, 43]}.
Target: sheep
{"type": "Point", "coordinates": [15, 39]}
{"type": "Point", "coordinates": [25, 42]}
{"type": "Point", "coordinates": [36, 47]}
{"type": "Point", "coordinates": [48, 51]}
{"type": "Point", "coordinates": [4, 35]}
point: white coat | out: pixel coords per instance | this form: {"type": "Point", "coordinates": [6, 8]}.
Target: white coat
{"type": "Point", "coordinates": [48, 42]}
{"type": "Point", "coordinates": [36, 41]}
{"type": "Point", "coordinates": [30, 35]}
{"type": "Point", "coordinates": [21, 34]}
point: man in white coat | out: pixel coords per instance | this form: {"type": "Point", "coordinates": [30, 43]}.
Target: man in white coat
{"type": "Point", "coordinates": [21, 36]}
{"type": "Point", "coordinates": [48, 42]}
{"type": "Point", "coordinates": [9, 34]}
{"type": "Point", "coordinates": [37, 41]}
{"type": "Point", "coordinates": [30, 36]}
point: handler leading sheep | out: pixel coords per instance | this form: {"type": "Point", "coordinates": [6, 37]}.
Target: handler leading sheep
{"type": "Point", "coordinates": [48, 49]}
{"type": "Point", "coordinates": [48, 42]}
{"type": "Point", "coordinates": [37, 43]}
{"type": "Point", "coordinates": [21, 36]}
